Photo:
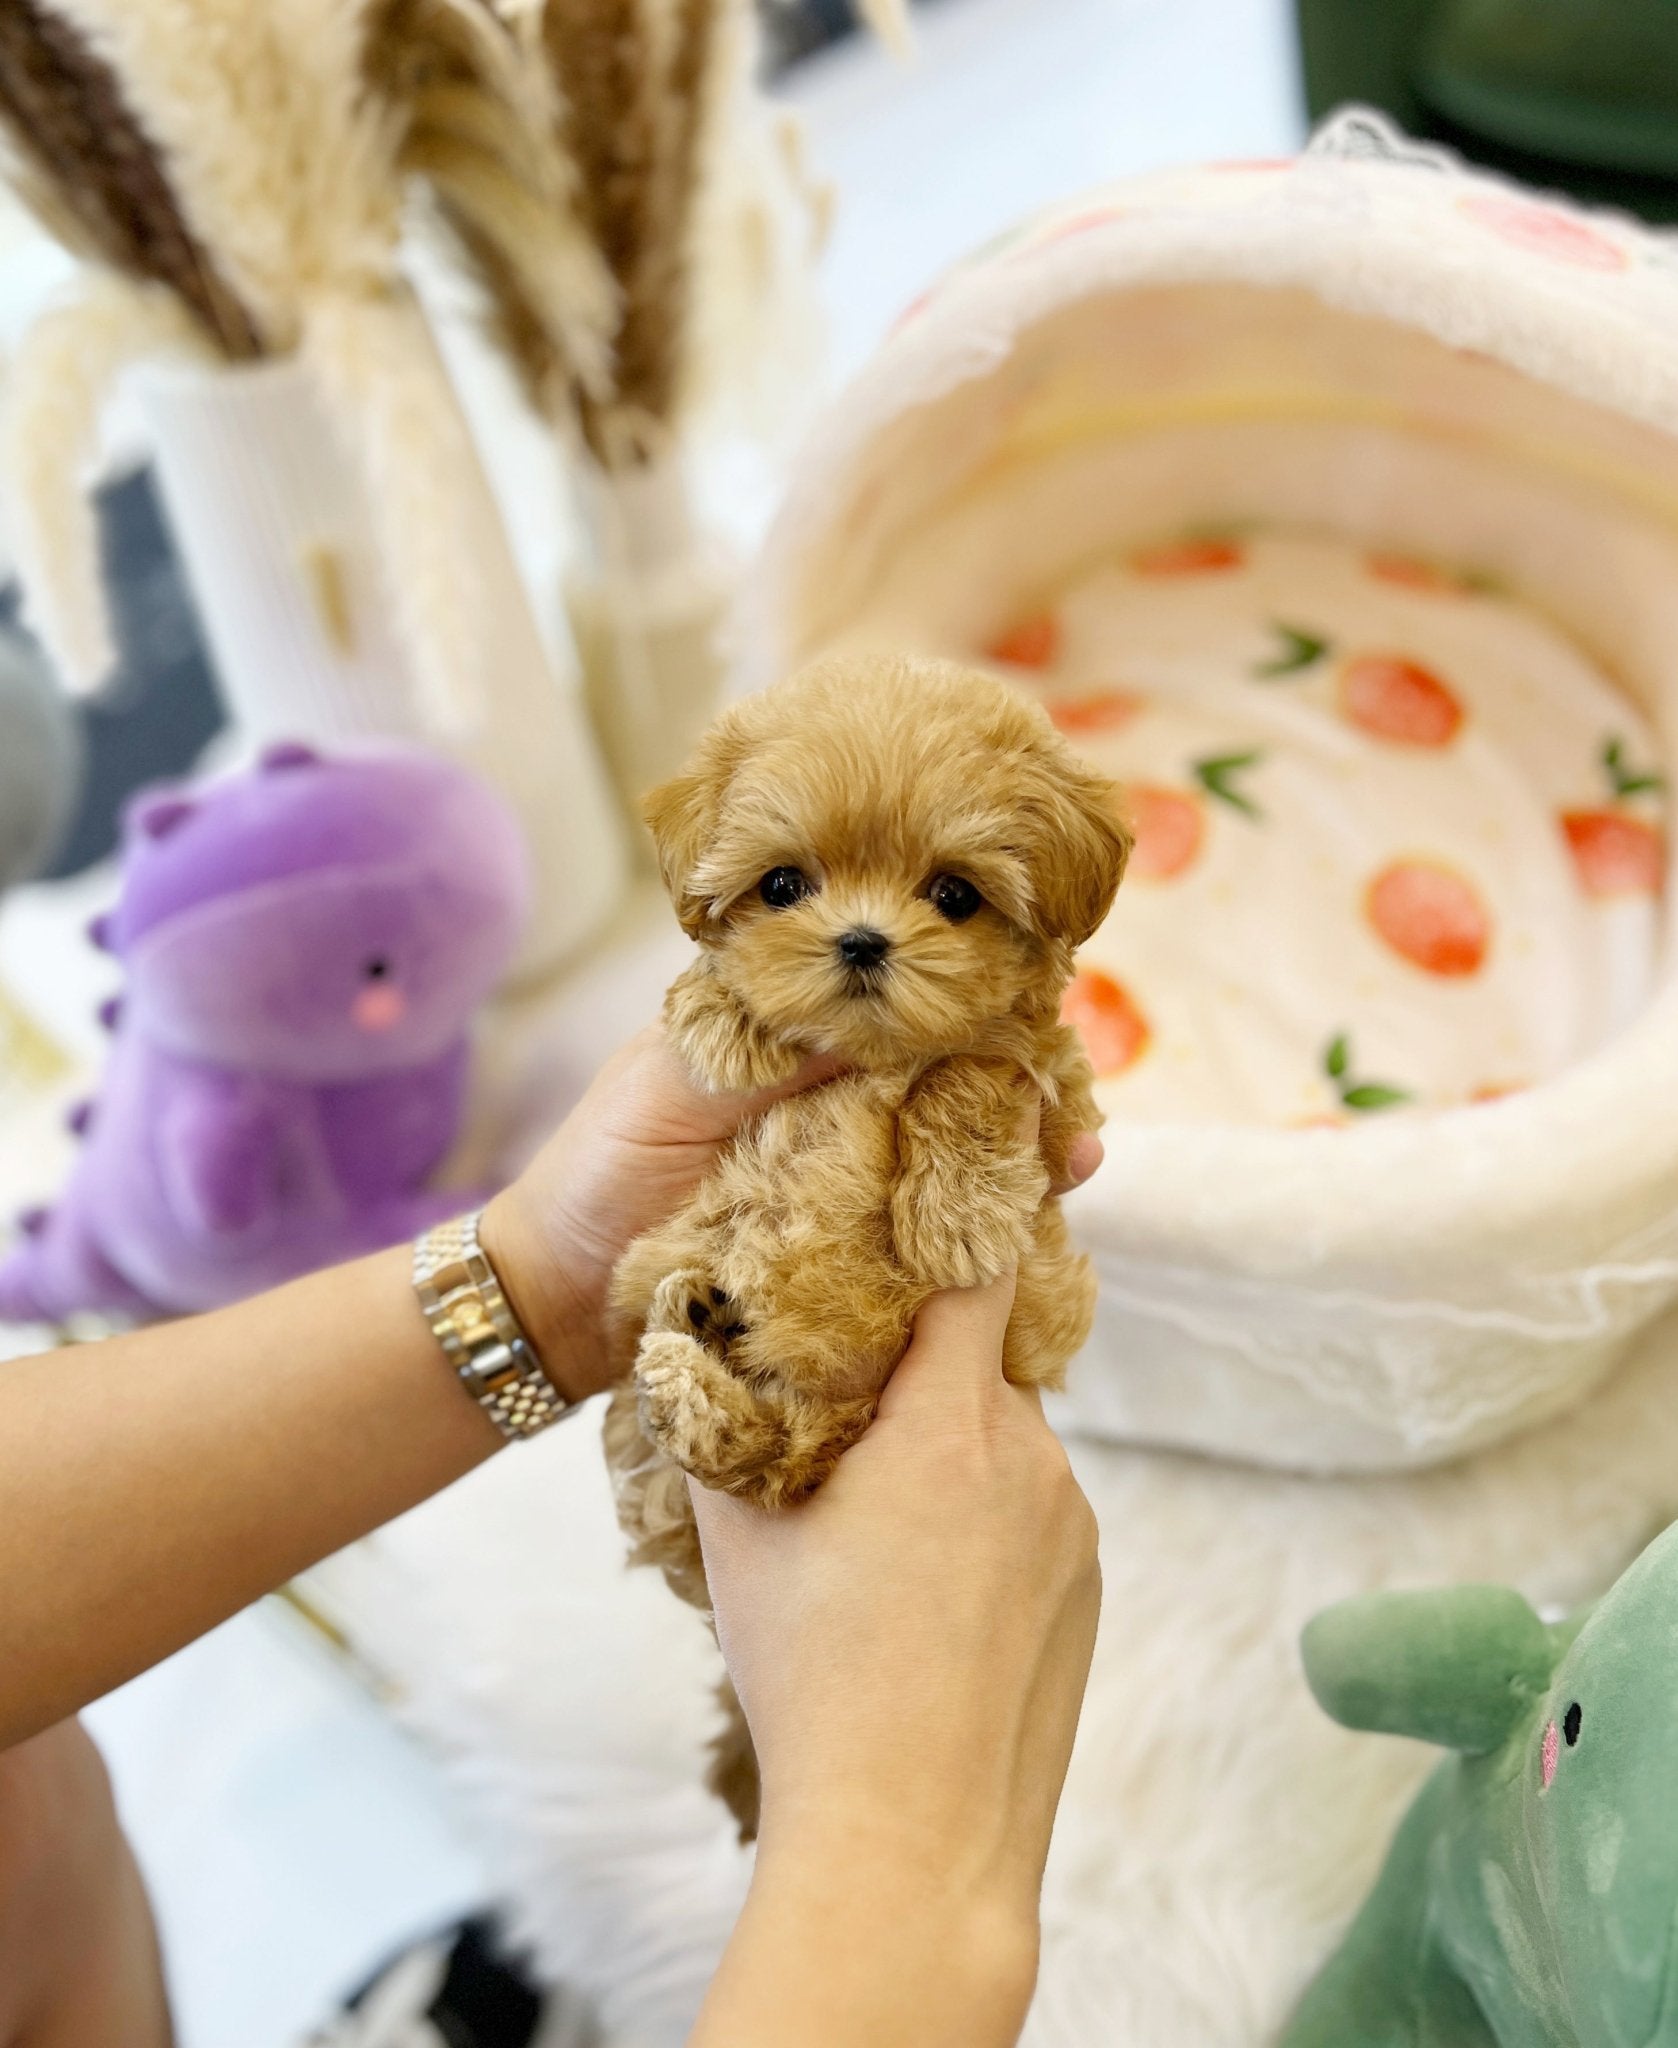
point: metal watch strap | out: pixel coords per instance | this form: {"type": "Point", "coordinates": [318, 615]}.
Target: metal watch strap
{"type": "Point", "coordinates": [473, 1321]}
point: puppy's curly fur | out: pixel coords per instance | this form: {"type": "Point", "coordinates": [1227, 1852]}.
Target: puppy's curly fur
{"type": "Point", "coordinates": [890, 861]}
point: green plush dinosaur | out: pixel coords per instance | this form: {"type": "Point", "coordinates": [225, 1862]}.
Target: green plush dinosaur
{"type": "Point", "coordinates": [1530, 1897]}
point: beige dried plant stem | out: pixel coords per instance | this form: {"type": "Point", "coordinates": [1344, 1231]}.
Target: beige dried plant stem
{"type": "Point", "coordinates": [889, 19]}
{"type": "Point", "coordinates": [49, 446]}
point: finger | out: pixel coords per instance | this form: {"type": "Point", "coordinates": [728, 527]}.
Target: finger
{"type": "Point", "coordinates": [1083, 1157]}
{"type": "Point", "coordinates": [957, 1343]}
{"type": "Point", "coordinates": [725, 1523]}
{"type": "Point", "coordinates": [657, 1096]}
{"type": "Point", "coordinates": [723, 1107]}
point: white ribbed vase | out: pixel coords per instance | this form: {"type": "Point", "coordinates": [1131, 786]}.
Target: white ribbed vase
{"type": "Point", "coordinates": [271, 519]}
{"type": "Point", "coordinates": [649, 608]}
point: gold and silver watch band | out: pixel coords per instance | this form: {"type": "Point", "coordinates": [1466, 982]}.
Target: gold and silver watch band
{"type": "Point", "coordinates": [473, 1321]}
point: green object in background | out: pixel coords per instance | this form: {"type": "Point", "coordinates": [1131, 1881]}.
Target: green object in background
{"type": "Point", "coordinates": [1581, 94]}
{"type": "Point", "coordinates": [1530, 1897]}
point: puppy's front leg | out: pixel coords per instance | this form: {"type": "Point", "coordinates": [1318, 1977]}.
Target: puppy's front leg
{"type": "Point", "coordinates": [765, 1443]}
{"type": "Point", "coordinates": [968, 1181]}
{"type": "Point", "coordinates": [712, 1031]}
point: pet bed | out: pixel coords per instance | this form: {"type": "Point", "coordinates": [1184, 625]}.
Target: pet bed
{"type": "Point", "coordinates": [1332, 505]}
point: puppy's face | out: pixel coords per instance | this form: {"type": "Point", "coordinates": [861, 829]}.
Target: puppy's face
{"type": "Point", "coordinates": [881, 856]}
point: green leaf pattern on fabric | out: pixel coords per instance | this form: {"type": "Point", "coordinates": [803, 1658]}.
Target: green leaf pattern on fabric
{"type": "Point", "coordinates": [1216, 772]}
{"type": "Point", "coordinates": [1626, 781]}
{"type": "Point", "coordinates": [1296, 649]}
{"type": "Point", "coordinates": [1353, 1093]}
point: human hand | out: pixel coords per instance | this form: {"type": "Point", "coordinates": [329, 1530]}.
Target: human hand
{"type": "Point", "coordinates": [911, 1647]}
{"type": "Point", "coordinates": [629, 1154]}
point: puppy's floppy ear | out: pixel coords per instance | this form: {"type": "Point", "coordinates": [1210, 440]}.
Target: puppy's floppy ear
{"type": "Point", "coordinates": [682, 815]}
{"type": "Point", "coordinates": [1078, 847]}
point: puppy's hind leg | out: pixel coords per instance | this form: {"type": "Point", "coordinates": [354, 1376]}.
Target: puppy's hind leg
{"type": "Point", "coordinates": [1054, 1306]}
{"type": "Point", "coordinates": [655, 1511]}
{"type": "Point", "coordinates": [733, 1775]}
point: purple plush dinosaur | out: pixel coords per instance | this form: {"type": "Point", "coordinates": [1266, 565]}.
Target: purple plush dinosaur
{"type": "Point", "coordinates": [303, 948]}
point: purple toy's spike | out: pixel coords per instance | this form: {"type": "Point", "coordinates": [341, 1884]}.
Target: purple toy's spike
{"type": "Point", "coordinates": [78, 1118]}
{"type": "Point", "coordinates": [33, 1221]}
{"type": "Point", "coordinates": [110, 1012]}
{"type": "Point", "coordinates": [158, 816]}
{"type": "Point", "coordinates": [99, 933]}
{"type": "Point", "coordinates": [286, 754]}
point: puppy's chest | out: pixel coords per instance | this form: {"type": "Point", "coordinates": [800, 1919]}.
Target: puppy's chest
{"type": "Point", "coordinates": [832, 1151]}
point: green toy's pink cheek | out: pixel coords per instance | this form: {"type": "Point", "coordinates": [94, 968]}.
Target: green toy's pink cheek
{"type": "Point", "coordinates": [1548, 1754]}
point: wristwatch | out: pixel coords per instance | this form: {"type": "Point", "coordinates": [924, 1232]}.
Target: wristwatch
{"type": "Point", "coordinates": [472, 1319]}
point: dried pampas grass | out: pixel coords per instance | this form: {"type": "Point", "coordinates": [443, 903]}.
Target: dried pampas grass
{"type": "Point", "coordinates": [247, 160]}
{"type": "Point", "coordinates": [49, 447]}
{"type": "Point", "coordinates": [81, 160]}
{"type": "Point", "coordinates": [376, 365]}
{"type": "Point", "coordinates": [672, 181]}
{"type": "Point", "coordinates": [281, 160]}
{"type": "Point", "coordinates": [477, 122]}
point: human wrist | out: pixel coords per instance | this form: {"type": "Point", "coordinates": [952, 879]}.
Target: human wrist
{"type": "Point", "coordinates": [560, 1313]}
{"type": "Point", "coordinates": [961, 1891]}
{"type": "Point", "coordinates": [894, 1947]}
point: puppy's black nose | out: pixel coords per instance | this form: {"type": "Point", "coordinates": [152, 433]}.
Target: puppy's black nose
{"type": "Point", "coordinates": [861, 947]}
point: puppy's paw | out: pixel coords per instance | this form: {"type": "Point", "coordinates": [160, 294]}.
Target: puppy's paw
{"type": "Point", "coordinates": [700, 1416]}
{"type": "Point", "coordinates": [715, 1035]}
{"type": "Point", "coordinates": [690, 1301]}
{"type": "Point", "coordinates": [963, 1229]}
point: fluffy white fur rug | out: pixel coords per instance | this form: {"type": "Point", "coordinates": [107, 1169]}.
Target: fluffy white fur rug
{"type": "Point", "coordinates": [1216, 1829]}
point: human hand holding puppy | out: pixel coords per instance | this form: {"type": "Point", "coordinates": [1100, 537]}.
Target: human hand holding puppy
{"type": "Point", "coordinates": [637, 1144]}
{"type": "Point", "coordinates": [911, 1646]}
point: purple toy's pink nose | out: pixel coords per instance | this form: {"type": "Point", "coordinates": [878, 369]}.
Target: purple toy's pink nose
{"type": "Point", "coordinates": [379, 1009]}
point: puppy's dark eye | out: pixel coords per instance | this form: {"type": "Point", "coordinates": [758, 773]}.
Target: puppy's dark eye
{"type": "Point", "coordinates": [781, 888]}
{"type": "Point", "coordinates": [1571, 1722]}
{"type": "Point", "coordinates": [954, 898]}
{"type": "Point", "coordinates": [376, 969]}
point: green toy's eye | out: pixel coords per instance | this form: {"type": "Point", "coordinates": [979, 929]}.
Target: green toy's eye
{"type": "Point", "coordinates": [1570, 1723]}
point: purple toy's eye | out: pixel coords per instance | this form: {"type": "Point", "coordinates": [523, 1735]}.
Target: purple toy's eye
{"type": "Point", "coordinates": [377, 969]}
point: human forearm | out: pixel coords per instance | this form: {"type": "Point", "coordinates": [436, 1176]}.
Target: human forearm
{"type": "Point", "coordinates": [848, 1942]}
{"type": "Point", "coordinates": [154, 1484]}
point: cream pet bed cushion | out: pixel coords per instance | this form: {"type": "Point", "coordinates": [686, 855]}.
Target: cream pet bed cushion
{"type": "Point", "coordinates": [1431, 420]}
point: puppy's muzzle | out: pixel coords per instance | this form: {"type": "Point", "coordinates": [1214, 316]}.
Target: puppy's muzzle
{"type": "Point", "coordinates": [862, 952]}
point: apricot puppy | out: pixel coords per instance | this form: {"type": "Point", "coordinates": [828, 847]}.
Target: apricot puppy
{"type": "Point", "coordinates": [890, 861]}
